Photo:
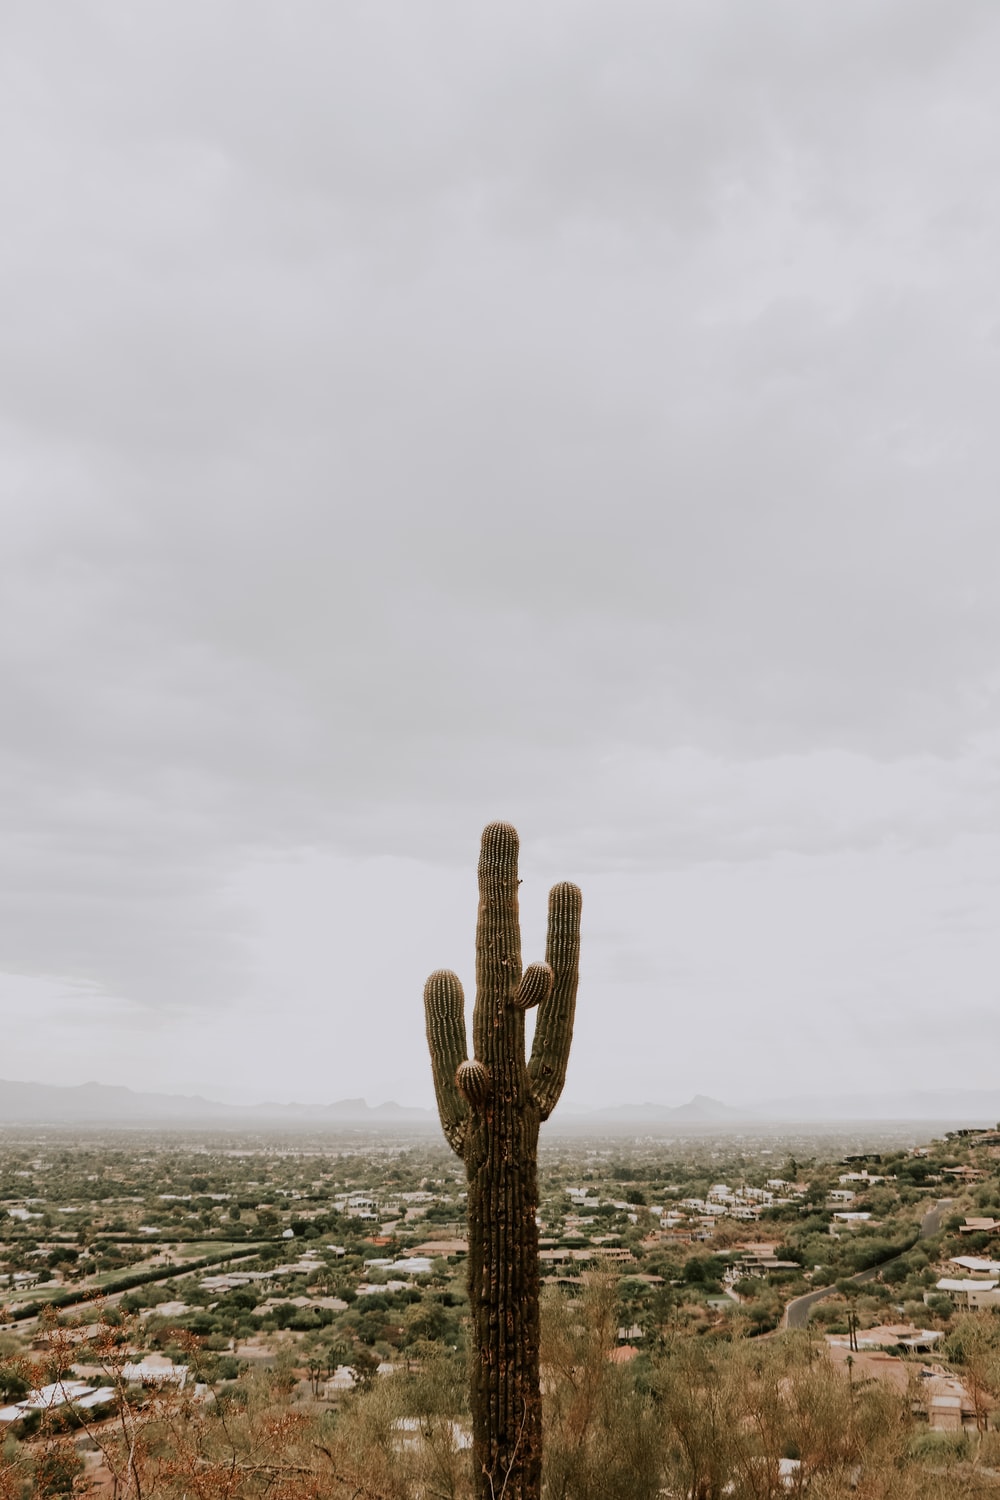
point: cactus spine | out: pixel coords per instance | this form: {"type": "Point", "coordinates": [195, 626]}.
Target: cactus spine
{"type": "Point", "coordinates": [490, 1109]}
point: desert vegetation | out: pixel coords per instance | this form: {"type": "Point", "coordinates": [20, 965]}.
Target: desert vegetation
{"type": "Point", "coordinates": [698, 1418]}
{"type": "Point", "coordinates": [325, 1350]}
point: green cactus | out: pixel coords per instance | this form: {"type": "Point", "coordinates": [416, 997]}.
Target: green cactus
{"type": "Point", "coordinates": [490, 1109]}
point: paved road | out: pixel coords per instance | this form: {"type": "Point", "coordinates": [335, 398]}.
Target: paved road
{"type": "Point", "coordinates": [96, 1296]}
{"type": "Point", "coordinates": [931, 1221]}
{"type": "Point", "coordinates": [798, 1310]}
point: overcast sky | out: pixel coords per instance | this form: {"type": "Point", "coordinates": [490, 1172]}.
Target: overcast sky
{"type": "Point", "coordinates": [579, 414]}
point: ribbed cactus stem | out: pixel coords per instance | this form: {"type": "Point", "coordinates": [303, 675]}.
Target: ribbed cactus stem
{"type": "Point", "coordinates": [490, 1109]}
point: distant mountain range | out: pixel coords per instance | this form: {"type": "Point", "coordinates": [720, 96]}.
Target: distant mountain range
{"type": "Point", "coordinates": [700, 1108]}
{"type": "Point", "coordinates": [942, 1106]}
{"type": "Point", "coordinates": [109, 1104]}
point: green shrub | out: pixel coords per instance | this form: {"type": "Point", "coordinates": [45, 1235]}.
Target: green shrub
{"type": "Point", "coordinates": [935, 1447]}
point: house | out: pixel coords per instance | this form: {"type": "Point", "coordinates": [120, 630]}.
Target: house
{"type": "Point", "coordinates": [899, 1338]}
{"type": "Point", "coordinates": [229, 1280]}
{"type": "Point", "coordinates": [448, 1248]}
{"type": "Point", "coordinates": [50, 1397]}
{"type": "Point", "coordinates": [165, 1310]}
{"type": "Point", "coordinates": [758, 1260]}
{"type": "Point", "coordinates": [155, 1370]}
{"type": "Point", "coordinates": [342, 1380]}
{"type": "Point", "coordinates": [949, 1406]}
{"type": "Point", "coordinates": [412, 1265]}
{"type": "Point", "coordinates": [941, 1397]}
{"type": "Point", "coordinates": [408, 1265]}
{"type": "Point", "coordinates": [970, 1294]}
{"type": "Point", "coordinates": [413, 1432]}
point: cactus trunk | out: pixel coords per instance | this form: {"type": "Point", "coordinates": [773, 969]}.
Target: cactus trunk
{"type": "Point", "coordinates": [490, 1109]}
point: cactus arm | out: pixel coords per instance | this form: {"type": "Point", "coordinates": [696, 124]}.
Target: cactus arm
{"type": "Point", "coordinates": [444, 1011]}
{"type": "Point", "coordinates": [554, 1027]}
{"type": "Point", "coordinates": [498, 941]}
{"type": "Point", "coordinates": [536, 985]}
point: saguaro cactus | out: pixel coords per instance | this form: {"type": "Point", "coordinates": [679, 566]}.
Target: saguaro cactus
{"type": "Point", "coordinates": [491, 1107]}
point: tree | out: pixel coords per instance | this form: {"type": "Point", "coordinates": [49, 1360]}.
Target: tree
{"type": "Point", "coordinates": [975, 1344]}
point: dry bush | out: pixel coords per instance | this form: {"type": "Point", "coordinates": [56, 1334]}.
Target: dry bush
{"type": "Point", "coordinates": [601, 1434]}
{"type": "Point", "coordinates": [425, 1459]}
{"type": "Point", "coordinates": [703, 1418]}
{"type": "Point", "coordinates": [734, 1410]}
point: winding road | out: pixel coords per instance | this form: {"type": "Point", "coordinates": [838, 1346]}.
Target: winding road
{"type": "Point", "coordinates": [798, 1310]}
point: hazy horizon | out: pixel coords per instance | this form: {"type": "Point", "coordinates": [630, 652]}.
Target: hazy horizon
{"type": "Point", "coordinates": [575, 416]}
{"type": "Point", "coordinates": [938, 1107]}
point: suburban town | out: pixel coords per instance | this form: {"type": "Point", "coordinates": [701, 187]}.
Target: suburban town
{"type": "Point", "coordinates": [147, 1274]}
